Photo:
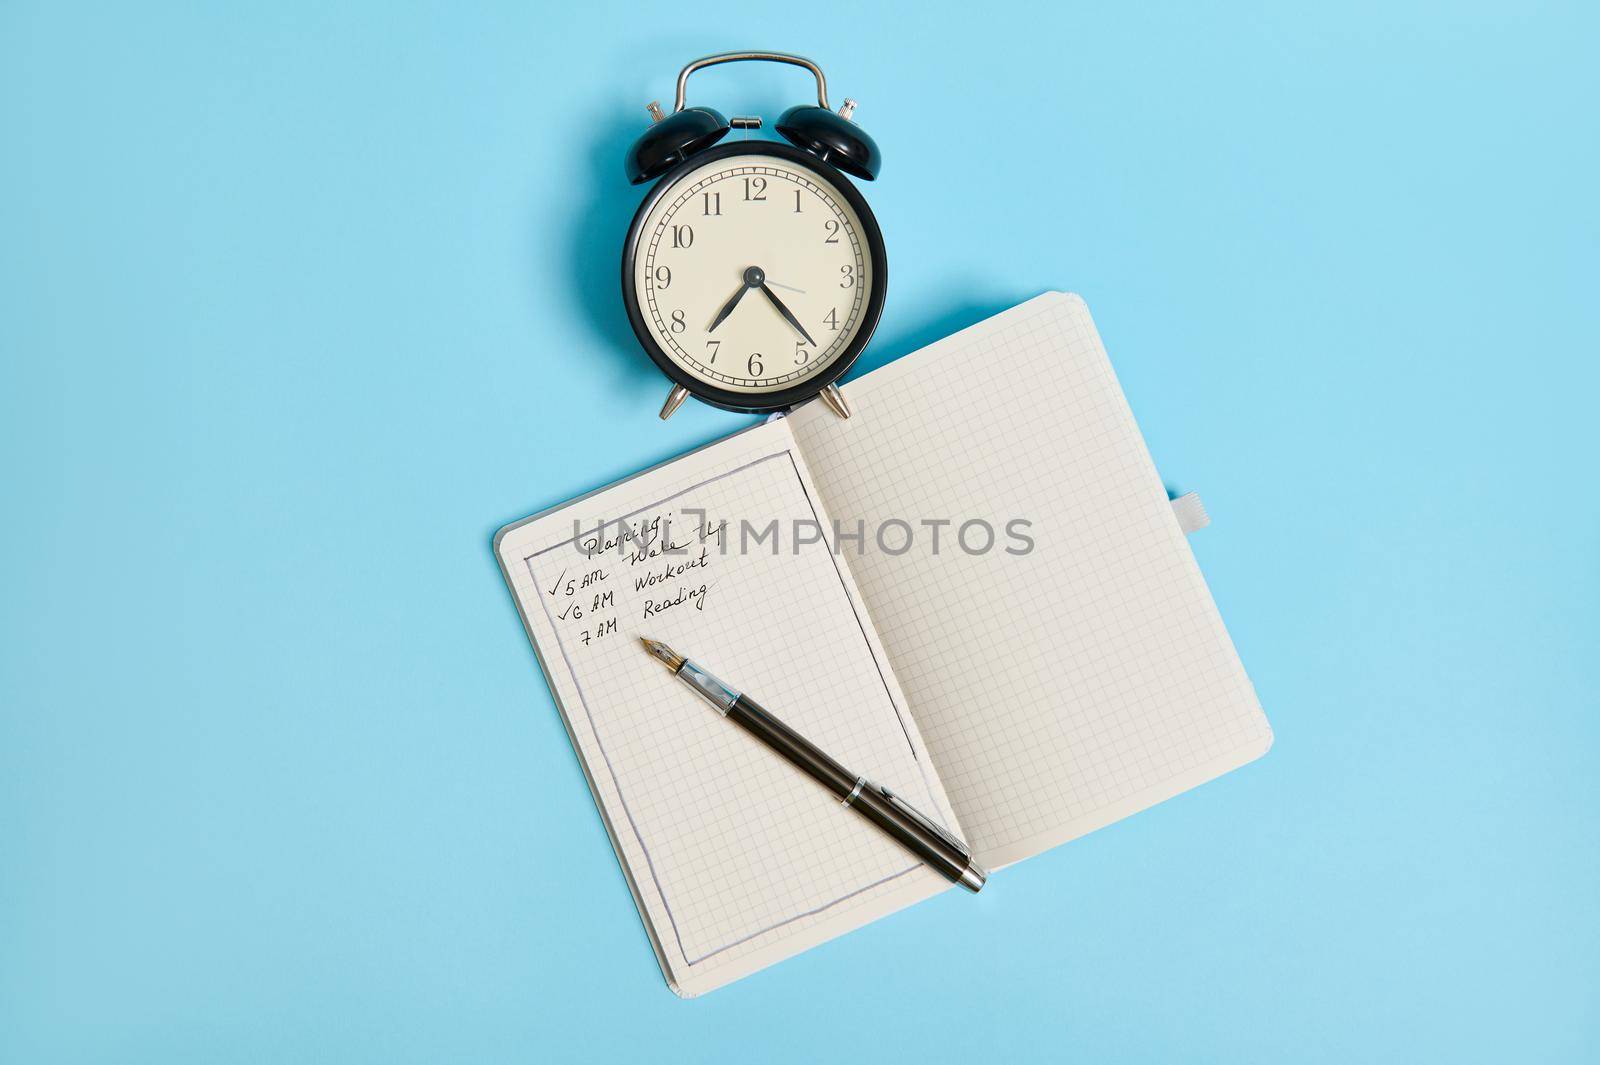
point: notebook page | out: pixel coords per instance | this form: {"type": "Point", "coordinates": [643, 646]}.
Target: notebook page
{"type": "Point", "coordinates": [735, 858]}
{"type": "Point", "coordinates": [1059, 688]}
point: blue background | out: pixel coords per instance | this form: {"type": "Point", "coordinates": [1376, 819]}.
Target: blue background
{"type": "Point", "coordinates": [298, 305]}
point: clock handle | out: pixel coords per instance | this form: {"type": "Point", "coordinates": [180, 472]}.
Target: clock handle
{"type": "Point", "coordinates": [737, 57]}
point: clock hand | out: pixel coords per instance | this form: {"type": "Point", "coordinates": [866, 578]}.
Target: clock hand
{"type": "Point", "coordinates": [754, 277]}
{"type": "Point", "coordinates": [727, 308]}
{"type": "Point", "coordinates": [776, 302]}
{"type": "Point", "coordinates": [786, 288]}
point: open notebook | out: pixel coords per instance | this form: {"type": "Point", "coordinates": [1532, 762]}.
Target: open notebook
{"type": "Point", "coordinates": [1024, 685]}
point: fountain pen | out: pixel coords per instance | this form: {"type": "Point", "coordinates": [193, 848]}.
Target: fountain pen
{"type": "Point", "coordinates": [914, 831]}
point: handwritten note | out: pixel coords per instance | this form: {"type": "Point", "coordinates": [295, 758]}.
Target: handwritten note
{"type": "Point", "coordinates": [738, 848]}
{"type": "Point", "coordinates": [636, 570]}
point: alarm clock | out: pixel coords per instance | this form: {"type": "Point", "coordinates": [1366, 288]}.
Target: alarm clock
{"type": "Point", "coordinates": [754, 272]}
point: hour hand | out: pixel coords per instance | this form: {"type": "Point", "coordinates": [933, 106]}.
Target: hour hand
{"type": "Point", "coordinates": [727, 308]}
{"type": "Point", "coordinates": [787, 314]}
{"type": "Point", "coordinates": [753, 277]}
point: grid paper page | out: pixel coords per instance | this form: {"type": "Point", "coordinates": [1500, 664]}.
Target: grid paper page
{"type": "Point", "coordinates": [1059, 688]}
{"type": "Point", "coordinates": [736, 859]}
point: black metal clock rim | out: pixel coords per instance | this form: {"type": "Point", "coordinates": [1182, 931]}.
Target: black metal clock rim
{"type": "Point", "coordinates": [745, 402]}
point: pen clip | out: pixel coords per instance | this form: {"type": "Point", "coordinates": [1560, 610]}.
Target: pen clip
{"type": "Point", "coordinates": [924, 820]}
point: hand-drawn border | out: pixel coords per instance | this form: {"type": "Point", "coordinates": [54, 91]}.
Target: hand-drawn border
{"type": "Point", "coordinates": [594, 728]}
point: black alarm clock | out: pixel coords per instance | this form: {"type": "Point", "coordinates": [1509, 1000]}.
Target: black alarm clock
{"type": "Point", "coordinates": [754, 272]}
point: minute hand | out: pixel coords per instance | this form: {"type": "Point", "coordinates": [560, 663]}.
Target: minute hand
{"type": "Point", "coordinates": [776, 302]}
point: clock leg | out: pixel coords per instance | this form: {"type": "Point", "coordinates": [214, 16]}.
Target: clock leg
{"type": "Point", "coordinates": [835, 401]}
{"type": "Point", "coordinates": [675, 400]}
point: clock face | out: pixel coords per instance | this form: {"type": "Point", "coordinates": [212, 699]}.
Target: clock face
{"type": "Point", "coordinates": [753, 273]}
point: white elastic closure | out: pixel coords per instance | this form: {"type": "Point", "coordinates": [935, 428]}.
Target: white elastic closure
{"type": "Point", "coordinates": [1190, 512]}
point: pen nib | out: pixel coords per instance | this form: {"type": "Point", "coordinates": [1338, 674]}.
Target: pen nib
{"type": "Point", "coordinates": [666, 654]}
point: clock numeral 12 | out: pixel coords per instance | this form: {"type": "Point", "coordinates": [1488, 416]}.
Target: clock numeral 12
{"type": "Point", "coordinates": [758, 186]}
